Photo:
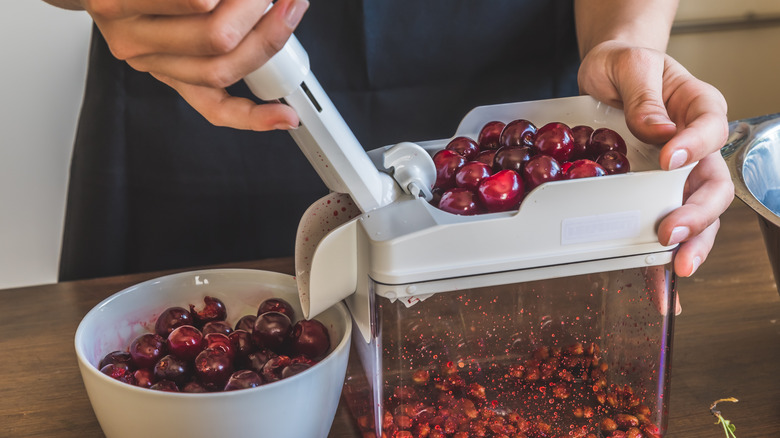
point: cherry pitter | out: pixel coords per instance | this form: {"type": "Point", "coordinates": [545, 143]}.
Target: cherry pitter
{"type": "Point", "coordinates": [553, 319]}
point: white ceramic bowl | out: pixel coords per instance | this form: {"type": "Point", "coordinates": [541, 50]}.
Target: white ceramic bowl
{"type": "Point", "coordinates": [300, 406]}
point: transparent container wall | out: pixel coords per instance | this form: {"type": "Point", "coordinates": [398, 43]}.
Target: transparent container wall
{"type": "Point", "coordinates": [581, 356]}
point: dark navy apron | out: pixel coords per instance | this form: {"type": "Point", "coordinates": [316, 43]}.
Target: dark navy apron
{"type": "Point", "coordinates": [155, 186]}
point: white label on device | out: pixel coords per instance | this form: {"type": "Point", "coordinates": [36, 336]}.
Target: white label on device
{"type": "Point", "coordinates": [600, 227]}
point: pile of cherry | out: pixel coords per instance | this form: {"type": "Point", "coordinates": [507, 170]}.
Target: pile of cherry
{"type": "Point", "coordinates": [198, 351]}
{"type": "Point", "coordinates": [496, 171]}
{"type": "Point", "coordinates": [556, 392]}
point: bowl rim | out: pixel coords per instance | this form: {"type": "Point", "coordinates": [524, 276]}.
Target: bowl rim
{"type": "Point", "coordinates": [344, 343]}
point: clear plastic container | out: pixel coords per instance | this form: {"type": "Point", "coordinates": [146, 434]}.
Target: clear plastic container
{"type": "Point", "coordinates": [576, 356]}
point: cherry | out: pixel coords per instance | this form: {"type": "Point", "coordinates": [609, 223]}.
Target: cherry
{"type": "Point", "coordinates": [165, 385]}
{"type": "Point", "coordinates": [294, 368]}
{"type": "Point", "coordinates": [276, 305]}
{"type": "Point", "coordinates": [447, 162]}
{"type": "Point", "coordinates": [471, 174]}
{"type": "Point", "coordinates": [172, 368]}
{"type": "Point", "coordinates": [271, 331]}
{"type": "Point", "coordinates": [246, 322]}
{"type": "Point", "coordinates": [119, 371]}
{"type": "Point", "coordinates": [501, 191]}
{"type": "Point", "coordinates": [555, 139]}
{"type": "Point", "coordinates": [217, 327]}
{"type": "Point", "coordinates": [464, 146]}
{"type": "Point", "coordinates": [219, 341]}
{"type": "Point", "coordinates": [614, 162]}
{"type": "Point", "coordinates": [144, 378]}
{"type": "Point", "coordinates": [584, 168]}
{"type": "Point", "coordinates": [147, 349]}
{"type": "Point", "coordinates": [193, 386]}
{"type": "Point", "coordinates": [256, 360]}
{"type": "Point", "coordinates": [487, 156]}
{"type": "Point", "coordinates": [512, 157]}
{"type": "Point", "coordinates": [581, 136]}
{"type": "Point", "coordinates": [213, 310]}
{"type": "Point", "coordinates": [518, 132]}
{"type": "Point", "coordinates": [272, 370]}
{"type": "Point", "coordinates": [460, 201]}
{"type": "Point", "coordinates": [605, 139]}
{"type": "Point", "coordinates": [310, 338]}
{"type": "Point", "coordinates": [213, 368]}
{"type": "Point", "coordinates": [185, 342]}
{"type": "Point", "coordinates": [539, 170]}
{"type": "Point", "coordinates": [171, 318]}
{"type": "Point", "coordinates": [242, 344]}
{"type": "Point", "coordinates": [243, 379]}
{"type": "Point", "coordinates": [490, 134]}
{"type": "Point", "coordinates": [116, 357]}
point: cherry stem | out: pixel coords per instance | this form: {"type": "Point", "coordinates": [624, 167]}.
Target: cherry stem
{"type": "Point", "coordinates": [728, 427]}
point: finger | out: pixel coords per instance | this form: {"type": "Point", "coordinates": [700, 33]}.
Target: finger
{"type": "Point", "coordinates": [701, 114]}
{"type": "Point", "coordinates": [639, 81]}
{"type": "Point", "coordinates": [260, 44]}
{"type": "Point", "coordinates": [711, 193]}
{"type": "Point", "coordinates": [127, 8]}
{"type": "Point", "coordinates": [692, 253]}
{"type": "Point", "coordinates": [222, 109]}
{"type": "Point", "coordinates": [216, 33]}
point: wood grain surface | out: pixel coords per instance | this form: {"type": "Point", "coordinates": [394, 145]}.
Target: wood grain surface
{"type": "Point", "coordinates": [726, 344]}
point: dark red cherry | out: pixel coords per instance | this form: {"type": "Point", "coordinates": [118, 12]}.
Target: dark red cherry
{"type": "Point", "coordinates": [512, 157]}
{"type": "Point", "coordinates": [581, 136]}
{"type": "Point", "coordinates": [460, 201]}
{"type": "Point", "coordinates": [614, 162]}
{"type": "Point", "coordinates": [120, 372]}
{"type": "Point", "coordinates": [556, 140]}
{"type": "Point", "coordinates": [217, 327]}
{"type": "Point", "coordinates": [294, 368]}
{"type": "Point", "coordinates": [172, 368]}
{"type": "Point", "coordinates": [147, 349]}
{"type": "Point", "coordinates": [272, 370]}
{"type": "Point", "coordinates": [272, 330]}
{"type": "Point", "coordinates": [501, 191]}
{"type": "Point", "coordinates": [144, 378]}
{"type": "Point", "coordinates": [194, 387]}
{"type": "Point", "coordinates": [471, 174]}
{"type": "Point", "coordinates": [310, 338]}
{"type": "Point", "coordinates": [447, 163]}
{"type": "Point", "coordinates": [165, 385]}
{"type": "Point", "coordinates": [171, 318]}
{"type": "Point", "coordinates": [116, 357]}
{"type": "Point", "coordinates": [276, 305]}
{"type": "Point", "coordinates": [213, 367]}
{"type": "Point", "coordinates": [256, 360]}
{"type": "Point", "coordinates": [185, 342]}
{"type": "Point", "coordinates": [246, 322]}
{"type": "Point", "coordinates": [464, 146]}
{"type": "Point", "coordinates": [584, 169]}
{"type": "Point", "coordinates": [487, 156]}
{"type": "Point", "coordinates": [243, 379]}
{"type": "Point", "coordinates": [539, 170]}
{"type": "Point", "coordinates": [219, 341]}
{"type": "Point", "coordinates": [242, 344]}
{"type": "Point", "coordinates": [436, 192]}
{"type": "Point", "coordinates": [518, 132]}
{"type": "Point", "coordinates": [213, 310]}
{"type": "Point", "coordinates": [605, 139]}
{"type": "Point", "coordinates": [490, 135]}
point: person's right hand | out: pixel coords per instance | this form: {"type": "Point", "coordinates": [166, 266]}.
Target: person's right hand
{"type": "Point", "coordinates": [200, 47]}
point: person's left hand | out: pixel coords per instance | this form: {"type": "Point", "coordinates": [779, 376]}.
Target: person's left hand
{"type": "Point", "coordinates": [665, 104]}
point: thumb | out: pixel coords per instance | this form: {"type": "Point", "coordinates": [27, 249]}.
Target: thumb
{"type": "Point", "coordinates": [646, 115]}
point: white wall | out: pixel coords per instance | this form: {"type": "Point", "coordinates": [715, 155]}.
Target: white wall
{"type": "Point", "coordinates": [43, 52]}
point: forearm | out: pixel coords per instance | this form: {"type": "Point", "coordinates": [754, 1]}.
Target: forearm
{"type": "Point", "coordinates": [74, 5]}
{"type": "Point", "coordinates": [641, 23]}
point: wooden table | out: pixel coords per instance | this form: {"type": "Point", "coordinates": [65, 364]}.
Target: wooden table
{"type": "Point", "coordinates": [726, 344]}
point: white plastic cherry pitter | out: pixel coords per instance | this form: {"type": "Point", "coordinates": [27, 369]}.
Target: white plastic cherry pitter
{"type": "Point", "coordinates": [393, 246]}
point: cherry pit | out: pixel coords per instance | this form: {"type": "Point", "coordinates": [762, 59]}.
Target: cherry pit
{"type": "Point", "coordinates": [507, 160]}
{"type": "Point", "coordinates": [196, 350]}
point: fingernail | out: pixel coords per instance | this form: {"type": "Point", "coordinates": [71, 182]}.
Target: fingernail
{"type": "Point", "coordinates": [295, 12]}
{"type": "Point", "coordinates": [696, 264]}
{"type": "Point", "coordinates": [678, 235]}
{"type": "Point", "coordinates": [677, 309]}
{"type": "Point", "coordinates": [657, 119]}
{"type": "Point", "coordinates": [283, 126]}
{"type": "Point", "coordinates": [678, 159]}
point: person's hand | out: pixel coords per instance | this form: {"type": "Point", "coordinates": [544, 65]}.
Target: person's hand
{"type": "Point", "coordinates": [199, 47]}
{"type": "Point", "coordinates": [665, 104]}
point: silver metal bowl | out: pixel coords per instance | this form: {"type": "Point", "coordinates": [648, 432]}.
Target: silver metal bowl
{"type": "Point", "coordinates": [752, 153]}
